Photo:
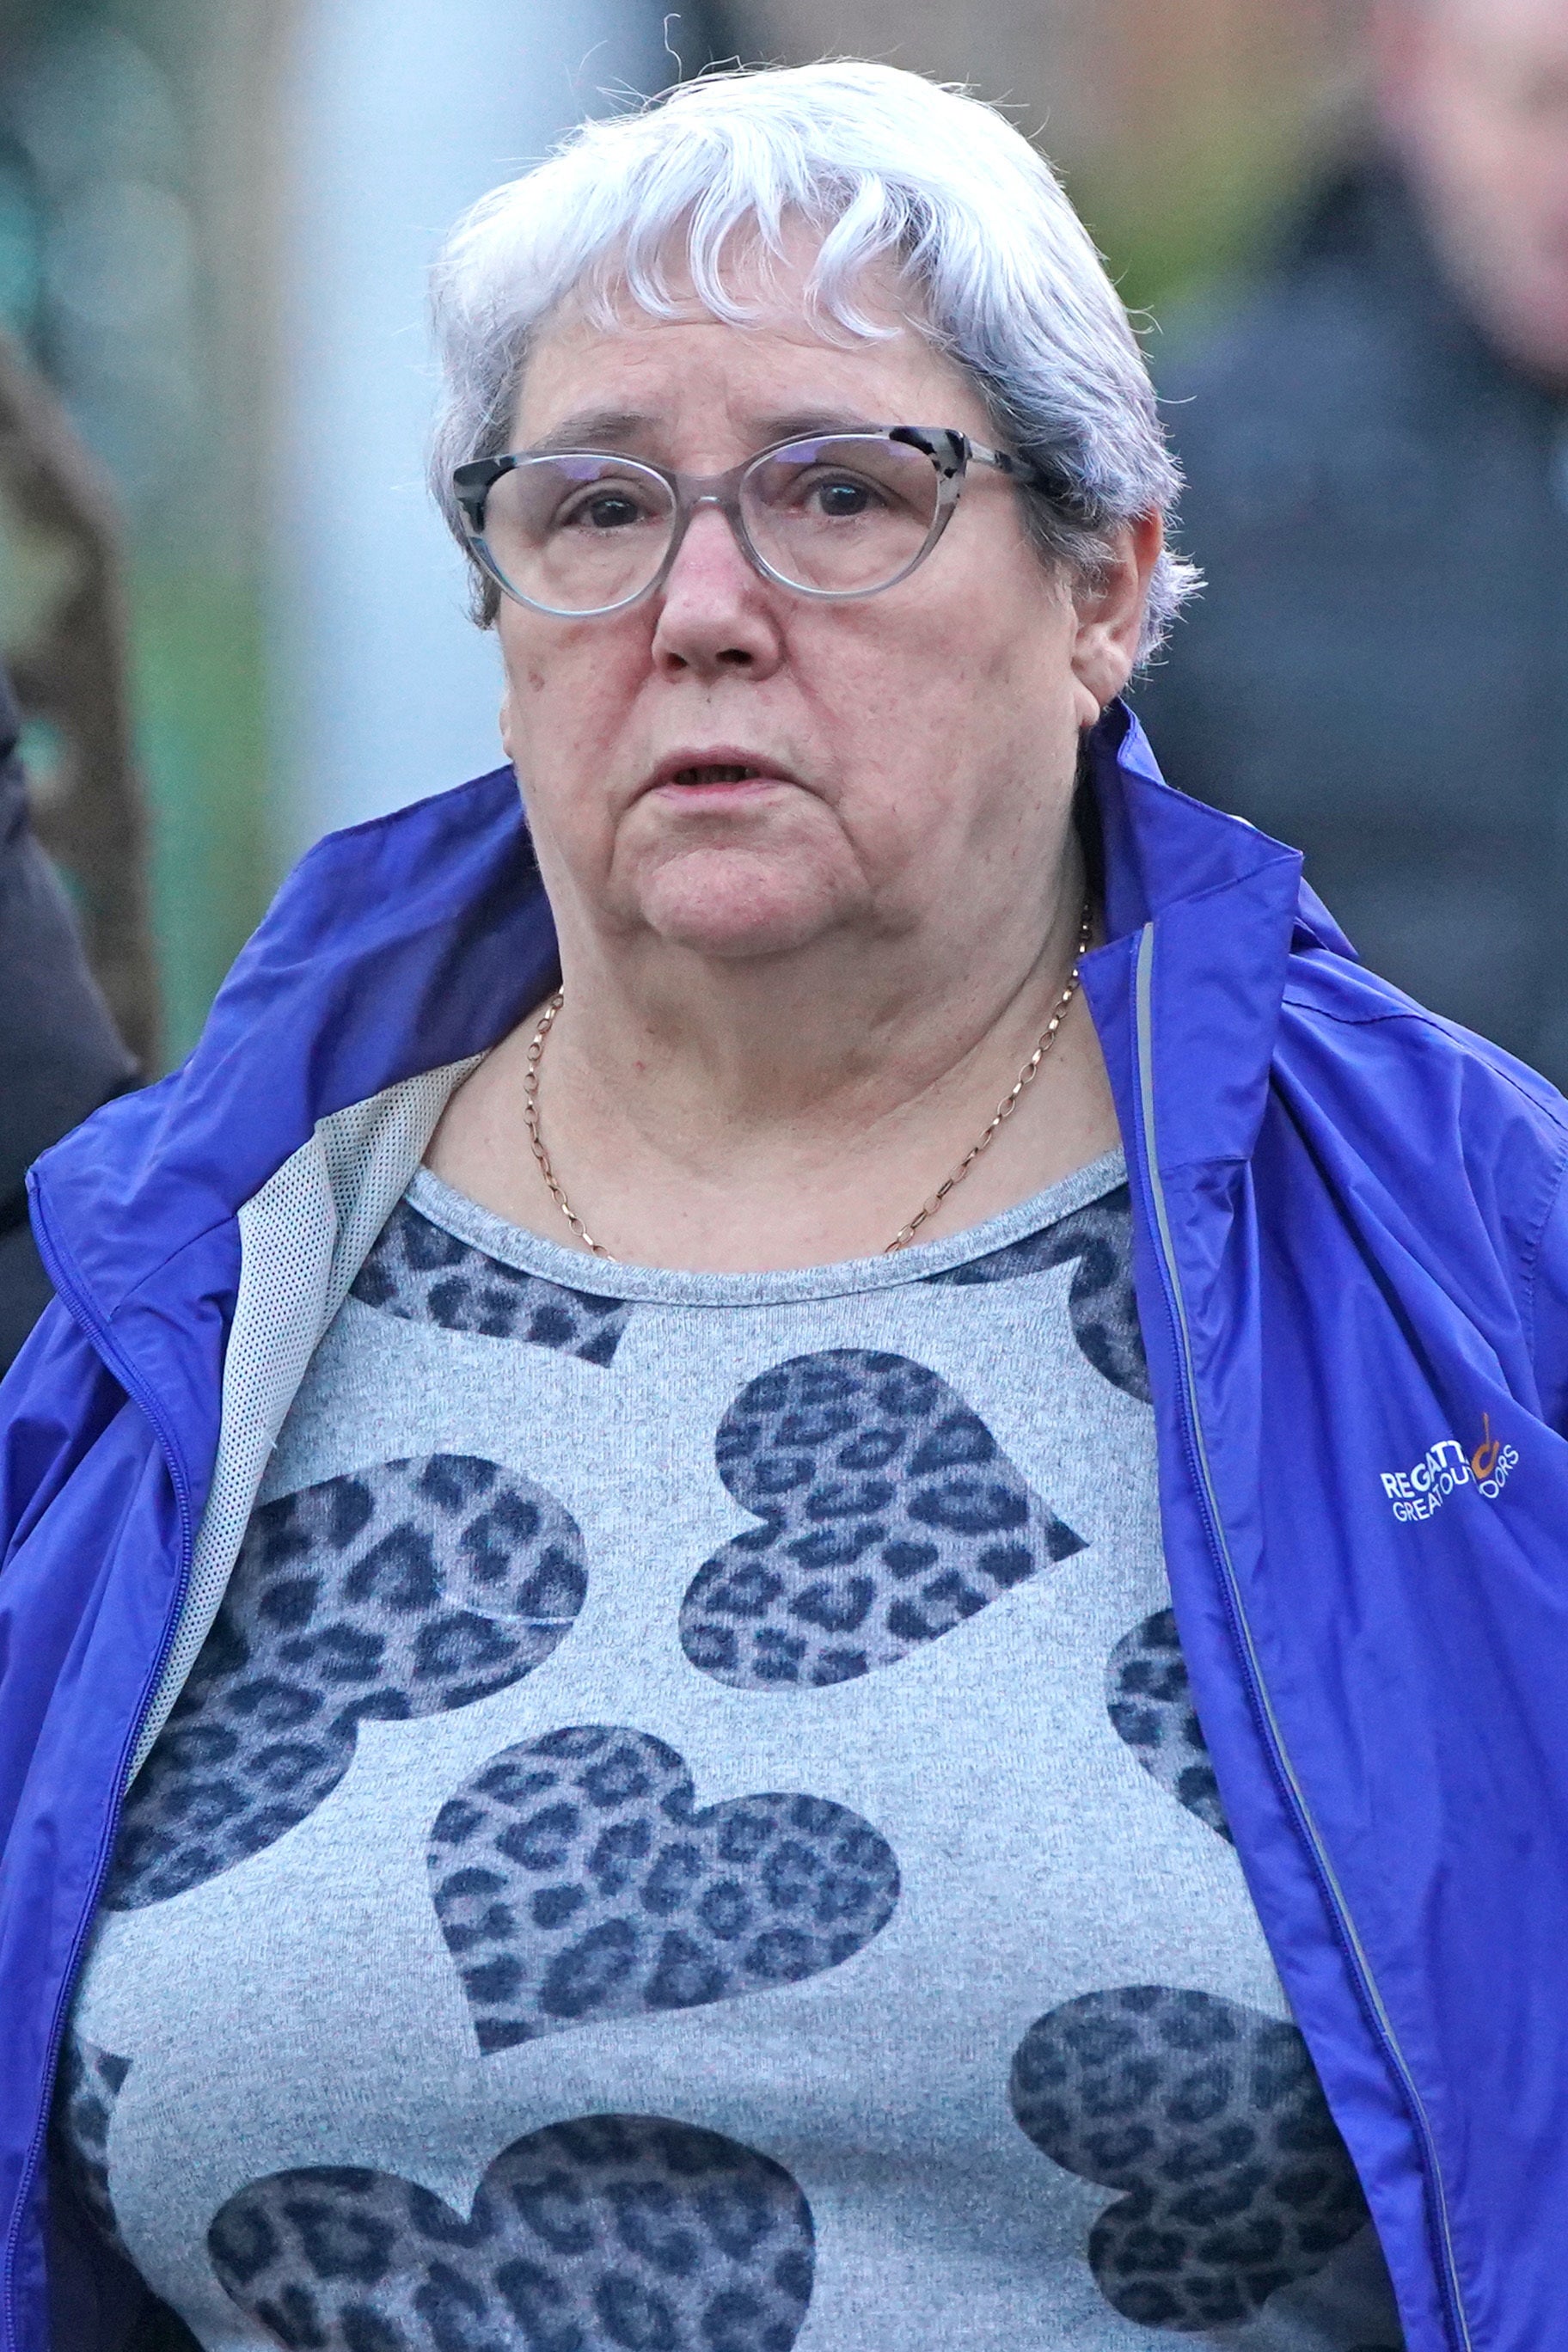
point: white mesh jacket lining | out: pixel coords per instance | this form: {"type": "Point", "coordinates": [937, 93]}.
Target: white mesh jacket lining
{"type": "Point", "coordinates": [304, 1238]}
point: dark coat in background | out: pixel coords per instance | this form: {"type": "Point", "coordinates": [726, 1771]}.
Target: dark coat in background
{"type": "Point", "coordinates": [59, 1053]}
{"type": "Point", "coordinates": [1378, 668]}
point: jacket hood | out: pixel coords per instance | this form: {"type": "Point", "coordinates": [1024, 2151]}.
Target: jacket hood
{"type": "Point", "coordinates": [424, 937]}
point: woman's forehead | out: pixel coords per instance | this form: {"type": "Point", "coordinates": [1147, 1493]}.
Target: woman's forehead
{"type": "Point", "coordinates": [616, 370]}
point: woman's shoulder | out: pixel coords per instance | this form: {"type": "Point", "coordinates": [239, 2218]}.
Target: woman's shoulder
{"type": "Point", "coordinates": [1467, 1147]}
{"type": "Point", "coordinates": [1374, 1037]}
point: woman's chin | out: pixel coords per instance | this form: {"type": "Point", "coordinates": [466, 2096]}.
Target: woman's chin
{"type": "Point", "coordinates": [733, 909]}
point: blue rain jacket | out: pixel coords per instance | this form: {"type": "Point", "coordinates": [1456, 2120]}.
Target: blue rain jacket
{"type": "Point", "coordinates": [1351, 1265]}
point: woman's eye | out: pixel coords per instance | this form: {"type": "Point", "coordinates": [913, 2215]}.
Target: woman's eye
{"type": "Point", "coordinates": [604, 511]}
{"type": "Point", "coordinates": [842, 501]}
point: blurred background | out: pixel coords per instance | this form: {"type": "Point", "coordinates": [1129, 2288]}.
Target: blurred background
{"type": "Point", "coordinates": [233, 619]}
{"type": "Point", "coordinates": [215, 224]}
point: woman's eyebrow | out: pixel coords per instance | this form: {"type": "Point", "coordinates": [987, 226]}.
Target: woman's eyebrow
{"type": "Point", "coordinates": [595, 428]}
{"type": "Point", "coordinates": [803, 421]}
{"type": "Point", "coordinates": [630, 429]}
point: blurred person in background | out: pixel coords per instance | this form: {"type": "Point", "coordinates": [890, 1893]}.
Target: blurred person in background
{"type": "Point", "coordinates": [1375, 440]}
{"type": "Point", "coordinates": [789, 1558]}
{"type": "Point", "coordinates": [60, 1055]}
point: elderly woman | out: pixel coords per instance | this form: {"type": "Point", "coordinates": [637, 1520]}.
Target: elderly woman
{"type": "Point", "coordinates": [607, 1537]}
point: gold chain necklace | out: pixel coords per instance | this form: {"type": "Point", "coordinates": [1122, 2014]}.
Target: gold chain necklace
{"type": "Point", "coordinates": [905, 1233]}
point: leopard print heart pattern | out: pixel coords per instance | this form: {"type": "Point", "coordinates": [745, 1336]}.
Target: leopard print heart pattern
{"type": "Point", "coordinates": [888, 1515]}
{"type": "Point", "coordinates": [1150, 1702]}
{"type": "Point", "coordinates": [1102, 1302]}
{"type": "Point", "coordinates": [1210, 2120]}
{"type": "Point", "coordinates": [624, 2231]}
{"type": "Point", "coordinates": [404, 1589]}
{"type": "Point", "coordinates": [422, 1274]}
{"type": "Point", "coordinates": [87, 2085]}
{"type": "Point", "coordinates": [574, 1879]}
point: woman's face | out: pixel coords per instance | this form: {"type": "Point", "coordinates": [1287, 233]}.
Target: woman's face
{"type": "Point", "coordinates": [897, 755]}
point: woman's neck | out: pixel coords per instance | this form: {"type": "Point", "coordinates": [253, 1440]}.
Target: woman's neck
{"type": "Point", "coordinates": [792, 1113]}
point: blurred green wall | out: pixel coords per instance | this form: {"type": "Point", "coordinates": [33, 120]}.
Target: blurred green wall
{"type": "Point", "coordinates": [200, 699]}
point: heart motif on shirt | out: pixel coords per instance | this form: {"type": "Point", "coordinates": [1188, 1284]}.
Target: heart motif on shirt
{"type": "Point", "coordinates": [1150, 1702]}
{"type": "Point", "coordinates": [422, 1274]}
{"type": "Point", "coordinates": [607, 2232]}
{"type": "Point", "coordinates": [403, 1589]}
{"type": "Point", "coordinates": [1102, 1302]}
{"type": "Point", "coordinates": [87, 2086]}
{"type": "Point", "coordinates": [574, 1879]}
{"type": "Point", "coordinates": [888, 1516]}
{"type": "Point", "coordinates": [1210, 2119]}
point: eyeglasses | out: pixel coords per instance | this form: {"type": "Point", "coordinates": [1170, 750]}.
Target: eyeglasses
{"type": "Point", "coordinates": [582, 532]}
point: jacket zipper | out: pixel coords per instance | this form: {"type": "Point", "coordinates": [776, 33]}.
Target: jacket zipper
{"type": "Point", "coordinates": [1197, 1463]}
{"type": "Point", "coordinates": [62, 1274]}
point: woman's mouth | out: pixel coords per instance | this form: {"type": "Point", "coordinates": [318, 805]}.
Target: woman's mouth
{"type": "Point", "coordinates": [726, 771]}
{"type": "Point", "coordinates": [719, 771]}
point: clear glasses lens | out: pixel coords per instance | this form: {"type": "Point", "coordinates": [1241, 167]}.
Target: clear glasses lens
{"type": "Point", "coordinates": [578, 535]}
{"type": "Point", "coordinates": [843, 515]}
{"type": "Point", "coordinates": [839, 515]}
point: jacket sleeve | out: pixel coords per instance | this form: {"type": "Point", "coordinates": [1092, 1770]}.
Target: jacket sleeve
{"type": "Point", "coordinates": [55, 1403]}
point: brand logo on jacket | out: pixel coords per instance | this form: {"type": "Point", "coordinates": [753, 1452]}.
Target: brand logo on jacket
{"type": "Point", "coordinates": [1422, 1490]}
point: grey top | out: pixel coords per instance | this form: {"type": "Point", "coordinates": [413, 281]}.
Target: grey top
{"type": "Point", "coordinates": [689, 1832]}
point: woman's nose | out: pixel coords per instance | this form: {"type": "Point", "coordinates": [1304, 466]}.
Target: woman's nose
{"type": "Point", "coordinates": [715, 612]}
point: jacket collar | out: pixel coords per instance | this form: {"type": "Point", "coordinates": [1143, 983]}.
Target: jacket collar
{"type": "Point", "coordinates": [424, 937]}
{"type": "Point", "coordinates": [1228, 906]}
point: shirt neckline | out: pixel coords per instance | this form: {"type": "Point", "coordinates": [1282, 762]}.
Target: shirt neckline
{"type": "Point", "coordinates": [529, 1252]}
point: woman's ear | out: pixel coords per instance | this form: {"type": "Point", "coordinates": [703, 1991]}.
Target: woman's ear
{"type": "Point", "coordinates": [1110, 612]}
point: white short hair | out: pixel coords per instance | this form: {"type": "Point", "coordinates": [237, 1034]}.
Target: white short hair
{"type": "Point", "coordinates": [891, 169]}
